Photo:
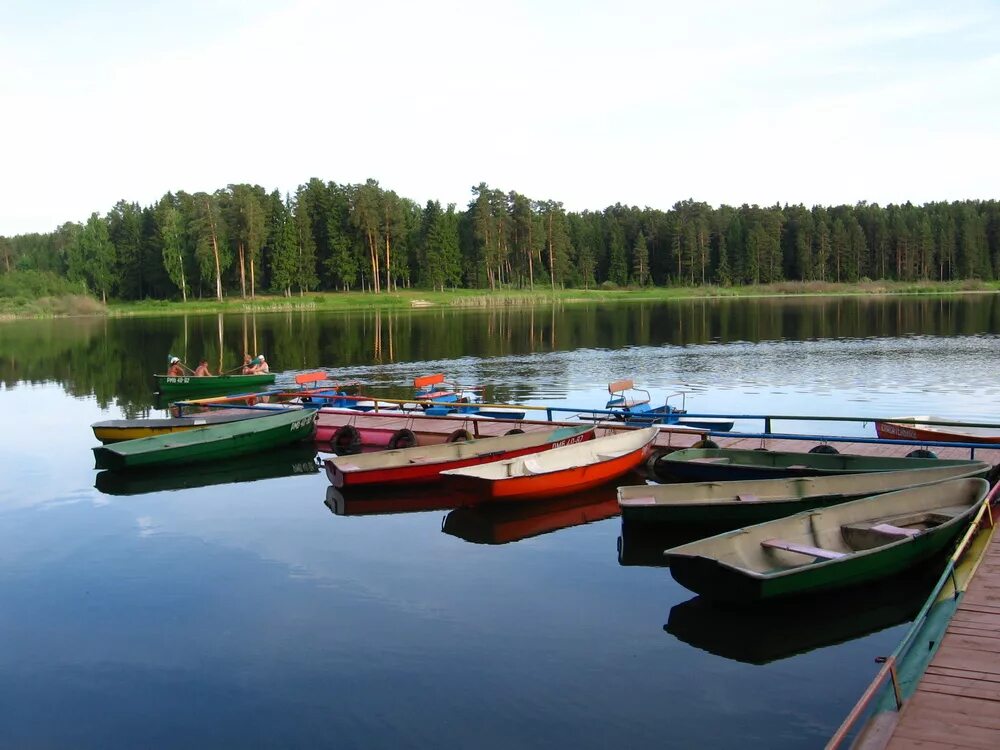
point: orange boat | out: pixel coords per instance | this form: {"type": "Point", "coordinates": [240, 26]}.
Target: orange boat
{"type": "Point", "coordinates": [950, 431]}
{"type": "Point", "coordinates": [559, 471]}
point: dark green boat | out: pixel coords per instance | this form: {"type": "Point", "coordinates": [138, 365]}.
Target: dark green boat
{"type": "Point", "coordinates": [727, 464]}
{"type": "Point", "coordinates": [210, 443]}
{"type": "Point", "coordinates": [184, 385]}
{"type": "Point", "coordinates": [834, 547]}
{"type": "Point", "coordinates": [727, 505]}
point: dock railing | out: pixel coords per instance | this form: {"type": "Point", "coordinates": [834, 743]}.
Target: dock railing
{"type": "Point", "coordinates": [554, 413]}
{"type": "Point", "coordinates": [888, 671]}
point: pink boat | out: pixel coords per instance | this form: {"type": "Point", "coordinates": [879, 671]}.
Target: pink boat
{"type": "Point", "coordinates": [345, 433]}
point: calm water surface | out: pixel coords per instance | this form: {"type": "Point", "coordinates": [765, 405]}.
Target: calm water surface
{"type": "Point", "coordinates": [189, 609]}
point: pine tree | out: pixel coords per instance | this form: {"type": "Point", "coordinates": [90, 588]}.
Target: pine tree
{"type": "Point", "coordinates": [640, 261]}
{"type": "Point", "coordinates": [617, 267]}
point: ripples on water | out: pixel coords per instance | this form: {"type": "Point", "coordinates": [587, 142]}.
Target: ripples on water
{"type": "Point", "coordinates": [248, 614]}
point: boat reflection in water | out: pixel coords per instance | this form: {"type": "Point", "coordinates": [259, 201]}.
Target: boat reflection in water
{"type": "Point", "coordinates": [643, 543]}
{"type": "Point", "coordinates": [377, 504]}
{"type": "Point", "coordinates": [284, 462]}
{"type": "Point", "coordinates": [500, 523]}
{"type": "Point", "coordinates": [763, 634]}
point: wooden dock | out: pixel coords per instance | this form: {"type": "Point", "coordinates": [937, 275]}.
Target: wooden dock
{"type": "Point", "coordinates": [434, 429]}
{"type": "Point", "coordinates": [957, 703]}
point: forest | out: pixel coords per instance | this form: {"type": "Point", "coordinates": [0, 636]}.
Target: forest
{"type": "Point", "coordinates": [244, 240]}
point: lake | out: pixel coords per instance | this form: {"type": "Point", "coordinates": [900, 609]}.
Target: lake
{"type": "Point", "coordinates": [230, 607]}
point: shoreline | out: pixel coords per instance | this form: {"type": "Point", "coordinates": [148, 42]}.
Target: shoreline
{"type": "Point", "coordinates": [480, 299]}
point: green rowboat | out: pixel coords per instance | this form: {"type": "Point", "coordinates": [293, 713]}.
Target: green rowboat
{"type": "Point", "coordinates": [818, 550]}
{"type": "Point", "coordinates": [720, 464]}
{"type": "Point", "coordinates": [116, 430]}
{"type": "Point", "coordinates": [210, 443]}
{"type": "Point", "coordinates": [727, 505]}
{"type": "Point", "coordinates": [186, 384]}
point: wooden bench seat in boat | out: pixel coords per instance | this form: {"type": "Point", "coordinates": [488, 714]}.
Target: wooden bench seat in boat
{"type": "Point", "coordinates": [748, 498]}
{"type": "Point", "coordinates": [712, 460]}
{"type": "Point", "coordinates": [888, 528]}
{"type": "Point", "coordinates": [802, 549]}
{"type": "Point", "coordinates": [647, 500]}
{"type": "Point", "coordinates": [531, 466]}
{"type": "Point", "coordinates": [881, 531]}
{"type": "Point", "coordinates": [610, 456]}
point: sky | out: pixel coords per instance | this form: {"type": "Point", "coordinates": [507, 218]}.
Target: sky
{"type": "Point", "coordinates": [588, 103]}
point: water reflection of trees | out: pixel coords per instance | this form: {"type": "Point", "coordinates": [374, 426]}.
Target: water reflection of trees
{"type": "Point", "coordinates": [114, 359]}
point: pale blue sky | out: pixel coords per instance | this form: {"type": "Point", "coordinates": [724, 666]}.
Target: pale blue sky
{"type": "Point", "coordinates": [590, 103]}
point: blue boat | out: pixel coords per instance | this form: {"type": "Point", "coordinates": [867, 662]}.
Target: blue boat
{"type": "Point", "coordinates": [631, 405]}
{"type": "Point", "coordinates": [454, 399]}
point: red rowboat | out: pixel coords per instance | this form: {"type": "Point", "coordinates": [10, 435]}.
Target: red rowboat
{"type": "Point", "coordinates": [560, 471]}
{"type": "Point", "coordinates": [425, 463]}
{"type": "Point", "coordinates": [956, 432]}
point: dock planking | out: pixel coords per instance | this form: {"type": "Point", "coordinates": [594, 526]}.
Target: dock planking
{"type": "Point", "coordinates": [957, 703]}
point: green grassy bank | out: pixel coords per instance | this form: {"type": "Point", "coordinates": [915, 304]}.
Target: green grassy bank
{"type": "Point", "coordinates": [69, 305]}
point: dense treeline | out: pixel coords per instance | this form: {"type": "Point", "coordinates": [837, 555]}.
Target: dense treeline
{"type": "Point", "coordinates": [243, 240]}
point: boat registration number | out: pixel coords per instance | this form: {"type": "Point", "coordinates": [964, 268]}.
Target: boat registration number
{"type": "Point", "coordinates": [570, 440]}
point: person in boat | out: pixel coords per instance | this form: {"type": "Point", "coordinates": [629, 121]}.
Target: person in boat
{"type": "Point", "coordinates": [202, 369]}
{"type": "Point", "coordinates": [176, 369]}
{"type": "Point", "coordinates": [261, 366]}
{"type": "Point", "coordinates": [247, 365]}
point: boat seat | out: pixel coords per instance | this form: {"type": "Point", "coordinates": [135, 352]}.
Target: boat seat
{"type": "Point", "coordinates": [609, 456]}
{"type": "Point", "coordinates": [802, 549]}
{"type": "Point", "coordinates": [648, 500]}
{"type": "Point", "coordinates": [418, 459]}
{"type": "Point", "coordinates": [888, 528]}
{"type": "Point", "coordinates": [638, 406]}
{"type": "Point", "coordinates": [711, 460]}
{"type": "Point", "coordinates": [531, 466]}
{"type": "Point", "coordinates": [748, 498]}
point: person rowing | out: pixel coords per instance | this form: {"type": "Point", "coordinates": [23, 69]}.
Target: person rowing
{"type": "Point", "coordinates": [202, 369]}
{"type": "Point", "coordinates": [258, 366]}
{"type": "Point", "coordinates": [176, 369]}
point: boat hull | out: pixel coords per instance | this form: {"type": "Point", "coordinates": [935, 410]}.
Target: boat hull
{"type": "Point", "coordinates": [183, 384]}
{"type": "Point", "coordinates": [554, 480]}
{"type": "Point", "coordinates": [844, 545]}
{"type": "Point", "coordinates": [722, 464]}
{"type": "Point", "coordinates": [722, 583]}
{"type": "Point", "coordinates": [344, 472]}
{"type": "Point", "coordinates": [889, 430]}
{"type": "Point", "coordinates": [209, 443]}
{"type": "Point", "coordinates": [117, 430]}
{"type": "Point", "coordinates": [727, 505]}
